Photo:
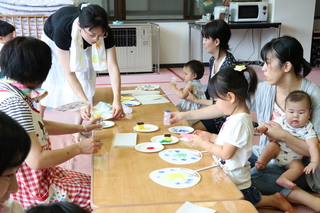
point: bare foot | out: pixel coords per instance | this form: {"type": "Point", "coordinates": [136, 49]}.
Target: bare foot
{"type": "Point", "coordinates": [281, 203]}
{"type": "Point", "coordinates": [282, 181]}
{"type": "Point", "coordinates": [259, 165]}
{"type": "Point", "coordinates": [77, 137]}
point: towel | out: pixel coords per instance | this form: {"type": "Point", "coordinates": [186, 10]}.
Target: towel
{"type": "Point", "coordinates": [77, 55]}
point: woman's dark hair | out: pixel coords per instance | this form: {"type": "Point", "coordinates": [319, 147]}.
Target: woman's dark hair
{"type": "Point", "coordinates": [196, 67]}
{"type": "Point", "coordinates": [15, 143]}
{"type": "Point", "coordinates": [92, 16]}
{"type": "Point", "coordinates": [6, 28]}
{"type": "Point", "coordinates": [57, 207]}
{"type": "Point", "coordinates": [230, 80]}
{"type": "Point", "coordinates": [218, 29]}
{"type": "Point", "coordinates": [287, 49]}
{"type": "Point", "coordinates": [26, 60]}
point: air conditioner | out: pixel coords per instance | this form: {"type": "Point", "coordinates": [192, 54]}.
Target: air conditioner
{"type": "Point", "coordinates": [135, 46]}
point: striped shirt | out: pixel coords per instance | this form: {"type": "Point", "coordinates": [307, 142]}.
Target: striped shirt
{"type": "Point", "coordinates": [15, 104]}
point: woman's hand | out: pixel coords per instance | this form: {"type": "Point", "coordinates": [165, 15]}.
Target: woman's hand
{"type": "Point", "coordinates": [92, 124]}
{"type": "Point", "coordinates": [85, 113]}
{"type": "Point", "coordinates": [274, 131]}
{"type": "Point", "coordinates": [176, 117]}
{"type": "Point", "coordinates": [89, 145]}
{"type": "Point", "coordinates": [117, 110]}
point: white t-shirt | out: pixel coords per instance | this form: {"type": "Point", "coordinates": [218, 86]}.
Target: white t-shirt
{"type": "Point", "coordinates": [11, 206]}
{"type": "Point", "coordinates": [237, 131]}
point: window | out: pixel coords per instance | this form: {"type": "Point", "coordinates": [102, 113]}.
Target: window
{"type": "Point", "coordinates": [157, 9]}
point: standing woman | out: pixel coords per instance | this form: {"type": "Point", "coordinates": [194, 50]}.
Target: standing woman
{"type": "Point", "coordinates": [216, 36]}
{"type": "Point", "coordinates": [82, 43]}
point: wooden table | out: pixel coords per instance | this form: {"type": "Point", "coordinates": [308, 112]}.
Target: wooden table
{"type": "Point", "coordinates": [231, 206]}
{"type": "Point", "coordinates": [121, 174]}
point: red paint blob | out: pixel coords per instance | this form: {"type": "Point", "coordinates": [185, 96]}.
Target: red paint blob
{"type": "Point", "coordinates": [150, 147]}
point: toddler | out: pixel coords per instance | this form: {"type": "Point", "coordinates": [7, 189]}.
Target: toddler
{"type": "Point", "coordinates": [296, 121]}
{"type": "Point", "coordinates": [193, 72]}
{"type": "Point", "coordinates": [232, 147]}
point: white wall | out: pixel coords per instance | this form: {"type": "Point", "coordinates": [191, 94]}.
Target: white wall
{"type": "Point", "coordinates": [297, 19]}
{"type": "Point", "coordinates": [296, 16]}
{"type": "Point", "coordinates": [174, 43]}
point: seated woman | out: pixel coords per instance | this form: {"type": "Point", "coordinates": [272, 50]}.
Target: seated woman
{"type": "Point", "coordinates": [216, 36]}
{"type": "Point", "coordinates": [284, 70]}
{"type": "Point", "coordinates": [14, 147]}
{"type": "Point", "coordinates": [25, 63]}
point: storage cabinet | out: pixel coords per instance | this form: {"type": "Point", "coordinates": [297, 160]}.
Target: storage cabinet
{"type": "Point", "coordinates": [315, 49]}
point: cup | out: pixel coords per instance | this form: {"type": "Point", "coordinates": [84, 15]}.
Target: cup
{"type": "Point", "coordinates": [174, 80]}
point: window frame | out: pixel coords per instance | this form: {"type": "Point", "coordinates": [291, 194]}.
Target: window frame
{"type": "Point", "coordinates": [120, 11]}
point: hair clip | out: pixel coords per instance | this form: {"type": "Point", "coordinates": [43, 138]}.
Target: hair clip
{"type": "Point", "coordinates": [240, 68]}
{"type": "Point", "coordinates": [84, 5]}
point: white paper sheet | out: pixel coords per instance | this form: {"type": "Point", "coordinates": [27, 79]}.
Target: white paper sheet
{"type": "Point", "coordinates": [188, 207]}
{"type": "Point", "coordinates": [125, 140]}
{"type": "Point", "coordinates": [149, 99]}
{"type": "Point", "coordinates": [139, 92]}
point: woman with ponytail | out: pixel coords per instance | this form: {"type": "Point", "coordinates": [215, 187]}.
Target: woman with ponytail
{"type": "Point", "coordinates": [284, 70]}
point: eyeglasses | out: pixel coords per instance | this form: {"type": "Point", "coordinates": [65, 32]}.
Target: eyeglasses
{"type": "Point", "coordinates": [92, 37]}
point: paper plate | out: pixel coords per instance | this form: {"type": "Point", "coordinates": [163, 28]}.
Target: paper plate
{"type": "Point", "coordinates": [106, 124]}
{"type": "Point", "coordinates": [179, 129]}
{"type": "Point", "coordinates": [175, 177]}
{"type": "Point", "coordinates": [131, 103]}
{"type": "Point", "coordinates": [149, 147]}
{"type": "Point", "coordinates": [126, 98]}
{"type": "Point", "coordinates": [147, 128]}
{"type": "Point", "coordinates": [180, 156]}
{"type": "Point", "coordinates": [72, 106]}
{"type": "Point", "coordinates": [159, 138]}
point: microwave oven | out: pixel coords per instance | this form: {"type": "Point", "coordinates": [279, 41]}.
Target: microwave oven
{"type": "Point", "coordinates": [248, 11]}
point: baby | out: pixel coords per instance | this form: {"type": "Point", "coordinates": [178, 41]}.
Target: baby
{"type": "Point", "coordinates": [296, 121]}
{"type": "Point", "coordinates": [193, 71]}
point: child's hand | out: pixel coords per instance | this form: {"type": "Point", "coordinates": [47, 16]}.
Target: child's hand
{"type": "Point", "coordinates": [204, 134]}
{"type": "Point", "coordinates": [311, 168]}
{"type": "Point", "coordinates": [196, 141]}
{"type": "Point", "coordinates": [172, 85]}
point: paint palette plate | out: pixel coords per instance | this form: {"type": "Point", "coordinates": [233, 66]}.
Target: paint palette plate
{"type": "Point", "coordinates": [106, 124]}
{"type": "Point", "coordinates": [131, 103]}
{"type": "Point", "coordinates": [126, 98]}
{"type": "Point", "coordinates": [159, 138]}
{"type": "Point", "coordinates": [180, 156]}
{"type": "Point", "coordinates": [149, 147]}
{"type": "Point", "coordinates": [179, 129]}
{"type": "Point", "coordinates": [175, 177]}
{"type": "Point", "coordinates": [72, 106]}
{"type": "Point", "coordinates": [147, 128]}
